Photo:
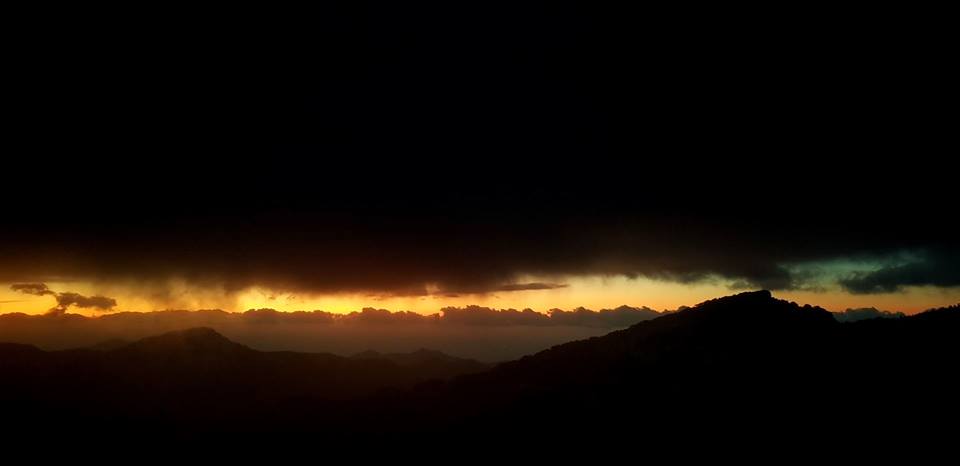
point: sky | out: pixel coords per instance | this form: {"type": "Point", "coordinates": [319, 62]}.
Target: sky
{"type": "Point", "coordinates": [591, 292]}
{"type": "Point", "coordinates": [544, 158]}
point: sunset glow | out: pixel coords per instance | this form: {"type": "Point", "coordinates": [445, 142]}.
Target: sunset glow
{"type": "Point", "coordinates": [593, 293]}
{"type": "Point", "coordinates": [600, 230]}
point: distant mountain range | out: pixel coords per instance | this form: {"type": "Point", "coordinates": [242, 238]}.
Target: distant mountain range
{"type": "Point", "coordinates": [773, 367]}
{"type": "Point", "coordinates": [476, 332]}
{"type": "Point", "coordinates": [204, 360]}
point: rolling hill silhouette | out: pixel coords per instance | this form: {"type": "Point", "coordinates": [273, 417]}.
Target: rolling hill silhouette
{"type": "Point", "coordinates": [741, 367]}
{"type": "Point", "coordinates": [430, 363]}
{"type": "Point", "coordinates": [771, 368]}
{"type": "Point", "coordinates": [198, 380]}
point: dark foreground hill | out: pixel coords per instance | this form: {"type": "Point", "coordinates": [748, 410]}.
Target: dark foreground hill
{"type": "Point", "coordinates": [197, 380]}
{"type": "Point", "coordinates": [746, 369]}
{"type": "Point", "coordinates": [751, 360]}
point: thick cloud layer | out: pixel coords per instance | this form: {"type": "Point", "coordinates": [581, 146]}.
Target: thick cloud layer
{"type": "Point", "coordinates": [461, 149]}
{"type": "Point", "coordinates": [938, 269]}
{"type": "Point", "coordinates": [416, 256]}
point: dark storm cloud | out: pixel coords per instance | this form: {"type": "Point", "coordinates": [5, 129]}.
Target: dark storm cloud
{"type": "Point", "coordinates": [942, 270]}
{"type": "Point", "coordinates": [399, 254]}
{"type": "Point", "coordinates": [477, 151]}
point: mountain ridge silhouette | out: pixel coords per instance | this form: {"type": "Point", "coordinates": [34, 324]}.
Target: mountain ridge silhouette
{"type": "Point", "coordinates": [771, 364]}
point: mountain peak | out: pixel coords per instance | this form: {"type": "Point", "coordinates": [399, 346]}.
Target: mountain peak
{"type": "Point", "coordinates": [199, 339]}
{"type": "Point", "coordinates": [758, 307]}
{"type": "Point", "coordinates": [758, 295]}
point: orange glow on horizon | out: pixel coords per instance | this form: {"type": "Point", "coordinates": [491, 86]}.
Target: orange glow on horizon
{"type": "Point", "coordinates": [592, 292]}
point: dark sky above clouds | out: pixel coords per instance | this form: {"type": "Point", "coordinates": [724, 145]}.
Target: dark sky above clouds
{"type": "Point", "coordinates": [380, 149]}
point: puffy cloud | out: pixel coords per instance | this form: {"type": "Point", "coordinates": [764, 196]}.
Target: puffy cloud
{"type": "Point", "coordinates": [853, 315]}
{"type": "Point", "coordinates": [38, 289]}
{"type": "Point", "coordinates": [479, 315]}
{"type": "Point", "coordinates": [472, 331]}
{"type": "Point", "coordinates": [472, 315]}
{"type": "Point", "coordinates": [623, 316]}
{"type": "Point", "coordinates": [66, 299]}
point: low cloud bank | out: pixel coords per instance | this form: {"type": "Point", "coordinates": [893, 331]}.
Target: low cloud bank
{"type": "Point", "coordinates": [475, 332]}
